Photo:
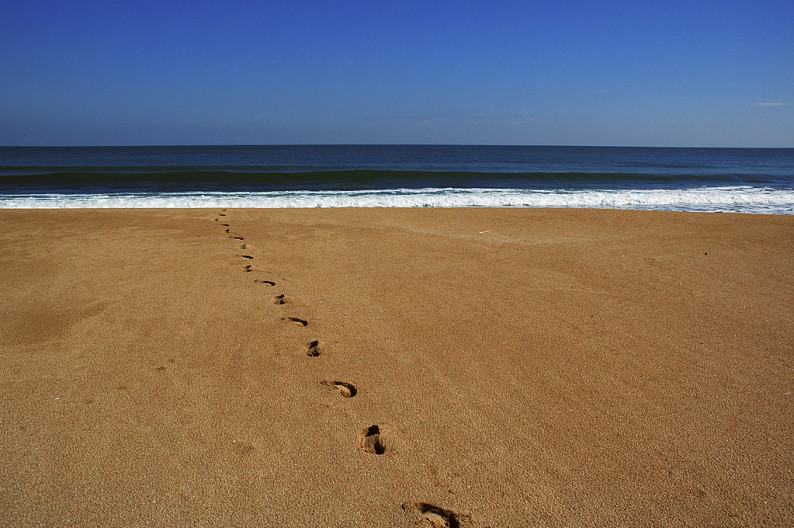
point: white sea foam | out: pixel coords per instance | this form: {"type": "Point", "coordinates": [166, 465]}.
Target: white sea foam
{"type": "Point", "coordinates": [713, 199]}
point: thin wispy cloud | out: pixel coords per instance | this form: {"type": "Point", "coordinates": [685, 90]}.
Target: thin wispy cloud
{"type": "Point", "coordinates": [766, 104]}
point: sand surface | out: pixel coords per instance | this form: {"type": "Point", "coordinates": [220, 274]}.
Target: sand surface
{"type": "Point", "coordinates": [523, 368]}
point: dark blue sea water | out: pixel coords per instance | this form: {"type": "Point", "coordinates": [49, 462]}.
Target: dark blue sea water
{"type": "Point", "coordinates": [689, 179]}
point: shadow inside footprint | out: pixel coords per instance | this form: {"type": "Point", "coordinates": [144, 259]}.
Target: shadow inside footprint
{"type": "Point", "coordinates": [247, 268]}
{"type": "Point", "coordinates": [369, 440]}
{"type": "Point", "coordinates": [249, 257]}
{"type": "Point", "coordinates": [235, 237]}
{"type": "Point", "coordinates": [278, 299]}
{"type": "Point", "coordinates": [312, 349]}
{"type": "Point", "coordinates": [433, 516]}
{"type": "Point", "coordinates": [299, 322]}
{"type": "Point", "coordinates": [269, 283]}
{"type": "Point", "coordinates": [347, 390]}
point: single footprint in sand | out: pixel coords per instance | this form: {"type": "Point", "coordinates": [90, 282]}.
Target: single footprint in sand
{"type": "Point", "coordinates": [312, 349]}
{"type": "Point", "coordinates": [268, 282]}
{"type": "Point", "coordinates": [249, 257]}
{"type": "Point", "coordinates": [228, 230]}
{"type": "Point", "coordinates": [432, 516]}
{"type": "Point", "coordinates": [299, 322]}
{"type": "Point", "coordinates": [369, 440]}
{"type": "Point", "coordinates": [225, 225]}
{"type": "Point", "coordinates": [243, 246]}
{"type": "Point", "coordinates": [221, 214]}
{"type": "Point", "coordinates": [243, 448]}
{"type": "Point", "coordinates": [162, 368]}
{"type": "Point", "coordinates": [235, 237]}
{"type": "Point", "coordinates": [247, 268]}
{"type": "Point", "coordinates": [347, 390]}
{"type": "Point", "coordinates": [278, 299]}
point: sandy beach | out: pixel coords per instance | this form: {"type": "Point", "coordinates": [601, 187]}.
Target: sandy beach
{"type": "Point", "coordinates": [396, 367]}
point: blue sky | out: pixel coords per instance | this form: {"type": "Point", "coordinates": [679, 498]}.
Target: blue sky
{"type": "Point", "coordinates": [499, 72]}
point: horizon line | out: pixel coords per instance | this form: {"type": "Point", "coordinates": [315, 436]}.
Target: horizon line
{"type": "Point", "coordinates": [516, 145]}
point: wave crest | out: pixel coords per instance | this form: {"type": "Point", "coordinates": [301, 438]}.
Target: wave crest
{"type": "Point", "coordinates": [740, 199]}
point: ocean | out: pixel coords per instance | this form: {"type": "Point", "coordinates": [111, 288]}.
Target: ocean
{"type": "Point", "coordinates": [674, 179]}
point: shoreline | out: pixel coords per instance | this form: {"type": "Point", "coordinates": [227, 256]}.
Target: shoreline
{"type": "Point", "coordinates": [711, 199]}
{"type": "Point", "coordinates": [582, 367]}
{"type": "Point", "coordinates": [211, 210]}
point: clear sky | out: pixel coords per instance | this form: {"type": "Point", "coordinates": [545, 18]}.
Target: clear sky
{"type": "Point", "coordinates": [654, 73]}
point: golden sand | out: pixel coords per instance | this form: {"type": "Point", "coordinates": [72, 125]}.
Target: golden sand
{"type": "Point", "coordinates": [386, 368]}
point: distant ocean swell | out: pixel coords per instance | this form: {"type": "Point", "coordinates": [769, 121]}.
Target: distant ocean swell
{"type": "Point", "coordinates": [684, 179]}
{"type": "Point", "coordinates": [189, 179]}
{"type": "Point", "coordinates": [737, 199]}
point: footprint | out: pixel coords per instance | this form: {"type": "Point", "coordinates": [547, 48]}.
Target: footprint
{"type": "Point", "coordinates": [249, 257]}
{"type": "Point", "coordinates": [228, 230]}
{"type": "Point", "coordinates": [299, 322]}
{"type": "Point", "coordinates": [269, 283]}
{"type": "Point", "coordinates": [243, 448]}
{"type": "Point", "coordinates": [278, 299]}
{"type": "Point", "coordinates": [235, 237]}
{"type": "Point", "coordinates": [243, 246]}
{"type": "Point", "coordinates": [347, 390]}
{"type": "Point", "coordinates": [312, 349]}
{"type": "Point", "coordinates": [225, 225]}
{"type": "Point", "coordinates": [433, 516]}
{"type": "Point", "coordinates": [221, 214]}
{"type": "Point", "coordinates": [369, 440]}
{"type": "Point", "coordinates": [247, 268]}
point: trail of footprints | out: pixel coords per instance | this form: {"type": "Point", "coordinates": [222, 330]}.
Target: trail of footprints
{"type": "Point", "coordinates": [370, 438]}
